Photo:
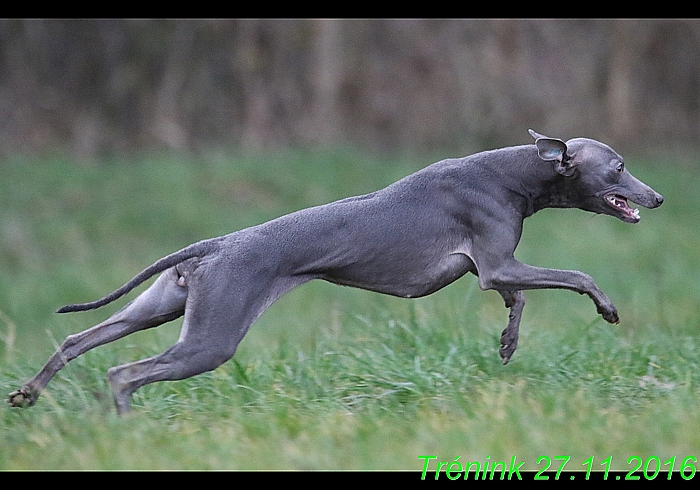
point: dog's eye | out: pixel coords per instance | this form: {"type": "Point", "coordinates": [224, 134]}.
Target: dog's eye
{"type": "Point", "coordinates": [620, 168]}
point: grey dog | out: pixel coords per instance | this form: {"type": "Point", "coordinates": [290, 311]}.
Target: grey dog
{"type": "Point", "coordinates": [409, 239]}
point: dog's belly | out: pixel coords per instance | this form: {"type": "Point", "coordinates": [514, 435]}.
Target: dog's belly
{"type": "Point", "coordinates": [370, 242]}
{"type": "Point", "coordinates": [410, 279]}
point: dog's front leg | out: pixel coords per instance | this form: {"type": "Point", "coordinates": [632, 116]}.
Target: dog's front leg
{"type": "Point", "coordinates": [512, 275]}
{"type": "Point", "coordinates": [515, 300]}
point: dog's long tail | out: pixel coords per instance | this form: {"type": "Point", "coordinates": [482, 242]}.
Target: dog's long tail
{"type": "Point", "coordinates": [196, 249]}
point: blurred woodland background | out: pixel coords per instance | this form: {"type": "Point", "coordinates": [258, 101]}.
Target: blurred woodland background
{"type": "Point", "coordinates": [100, 87]}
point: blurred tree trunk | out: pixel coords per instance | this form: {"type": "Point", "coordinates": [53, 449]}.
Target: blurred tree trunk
{"type": "Point", "coordinates": [166, 125]}
{"type": "Point", "coordinates": [327, 78]}
{"type": "Point", "coordinates": [621, 94]}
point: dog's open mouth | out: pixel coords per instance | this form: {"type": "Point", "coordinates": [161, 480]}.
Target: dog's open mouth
{"type": "Point", "coordinates": [620, 203]}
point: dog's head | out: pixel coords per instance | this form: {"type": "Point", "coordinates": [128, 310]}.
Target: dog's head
{"type": "Point", "coordinates": [596, 176]}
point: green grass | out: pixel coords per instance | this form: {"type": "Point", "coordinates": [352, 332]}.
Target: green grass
{"type": "Point", "coordinates": [337, 378]}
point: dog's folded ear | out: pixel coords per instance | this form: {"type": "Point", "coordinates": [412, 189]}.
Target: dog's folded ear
{"type": "Point", "coordinates": [535, 134]}
{"type": "Point", "coordinates": [553, 149]}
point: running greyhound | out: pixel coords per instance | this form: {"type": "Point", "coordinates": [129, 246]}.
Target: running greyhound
{"type": "Point", "coordinates": [409, 239]}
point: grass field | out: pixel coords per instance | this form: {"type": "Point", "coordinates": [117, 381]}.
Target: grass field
{"type": "Point", "coordinates": [337, 378]}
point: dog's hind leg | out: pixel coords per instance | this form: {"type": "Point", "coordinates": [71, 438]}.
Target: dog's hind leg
{"type": "Point", "coordinates": [182, 360]}
{"type": "Point", "coordinates": [162, 302]}
{"type": "Point", "coordinates": [217, 316]}
{"type": "Point", "coordinates": [210, 335]}
{"type": "Point", "coordinates": [515, 300]}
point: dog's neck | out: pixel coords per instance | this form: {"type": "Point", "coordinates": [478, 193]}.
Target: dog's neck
{"type": "Point", "coordinates": [555, 195]}
{"type": "Point", "coordinates": [533, 183]}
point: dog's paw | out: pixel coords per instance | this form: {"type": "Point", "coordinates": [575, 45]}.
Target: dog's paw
{"type": "Point", "coordinates": [507, 349]}
{"type": "Point", "coordinates": [610, 314]}
{"type": "Point", "coordinates": [20, 398]}
{"type": "Point", "coordinates": [505, 356]}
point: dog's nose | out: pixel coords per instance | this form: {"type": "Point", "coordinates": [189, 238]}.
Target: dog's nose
{"type": "Point", "coordinates": [659, 199]}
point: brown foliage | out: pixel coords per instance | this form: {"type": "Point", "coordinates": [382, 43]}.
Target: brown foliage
{"type": "Point", "coordinates": [102, 86]}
